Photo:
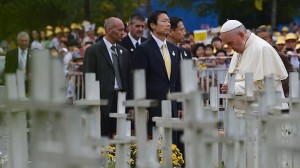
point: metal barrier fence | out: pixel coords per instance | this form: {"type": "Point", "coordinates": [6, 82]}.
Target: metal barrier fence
{"type": "Point", "coordinates": [207, 78]}
{"type": "Point", "coordinates": [76, 86]}
{"type": "Point", "coordinates": [211, 77]}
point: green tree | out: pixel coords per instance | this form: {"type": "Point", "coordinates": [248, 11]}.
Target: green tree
{"type": "Point", "coordinates": [16, 15]}
{"type": "Point", "coordinates": [19, 15]}
{"type": "Point", "coordinates": [251, 12]}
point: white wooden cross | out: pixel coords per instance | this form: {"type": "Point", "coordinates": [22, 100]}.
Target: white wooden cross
{"type": "Point", "coordinates": [280, 130]}
{"type": "Point", "coordinates": [17, 130]}
{"type": "Point", "coordinates": [92, 102]}
{"type": "Point", "coordinates": [230, 125]}
{"type": "Point", "coordinates": [123, 137]}
{"type": "Point", "coordinates": [48, 98]}
{"type": "Point", "coordinates": [164, 123]}
{"type": "Point", "coordinates": [198, 131]}
{"type": "Point", "coordinates": [145, 159]}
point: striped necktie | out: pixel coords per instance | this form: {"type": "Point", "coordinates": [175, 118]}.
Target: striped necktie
{"type": "Point", "coordinates": [22, 60]}
{"type": "Point", "coordinates": [116, 66]}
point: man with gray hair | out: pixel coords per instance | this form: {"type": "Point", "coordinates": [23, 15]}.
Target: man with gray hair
{"type": "Point", "coordinates": [19, 58]}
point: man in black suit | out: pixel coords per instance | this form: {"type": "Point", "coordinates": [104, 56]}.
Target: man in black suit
{"type": "Point", "coordinates": [19, 58]}
{"type": "Point", "coordinates": [110, 62]}
{"type": "Point", "coordinates": [177, 35]}
{"type": "Point", "coordinates": [160, 60]}
{"type": "Point", "coordinates": [136, 26]}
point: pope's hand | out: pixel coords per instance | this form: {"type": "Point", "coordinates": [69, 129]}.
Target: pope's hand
{"type": "Point", "coordinates": [224, 88]}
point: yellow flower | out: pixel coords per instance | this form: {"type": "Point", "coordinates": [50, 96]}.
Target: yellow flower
{"type": "Point", "coordinates": [161, 162]}
{"type": "Point", "coordinates": [176, 155]}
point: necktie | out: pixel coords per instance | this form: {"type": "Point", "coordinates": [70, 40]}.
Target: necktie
{"type": "Point", "coordinates": [137, 44]}
{"type": "Point", "coordinates": [116, 66]}
{"type": "Point", "coordinates": [22, 60]}
{"type": "Point", "coordinates": [166, 59]}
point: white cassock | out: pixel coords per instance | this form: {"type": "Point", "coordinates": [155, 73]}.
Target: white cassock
{"type": "Point", "coordinates": [260, 59]}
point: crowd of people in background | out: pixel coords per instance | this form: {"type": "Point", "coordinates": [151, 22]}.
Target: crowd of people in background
{"type": "Point", "coordinates": [156, 45]}
{"type": "Point", "coordinates": [71, 43]}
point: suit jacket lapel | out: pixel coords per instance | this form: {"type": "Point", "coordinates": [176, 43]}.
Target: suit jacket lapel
{"type": "Point", "coordinates": [159, 55]}
{"type": "Point", "coordinates": [105, 53]}
{"type": "Point", "coordinates": [172, 57]}
{"type": "Point", "coordinates": [120, 57]}
{"type": "Point", "coordinates": [143, 39]}
{"type": "Point", "coordinates": [122, 64]}
{"type": "Point", "coordinates": [129, 42]}
{"type": "Point", "coordinates": [174, 54]}
{"type": "Point", "coordinates": [15, 57]}
{"type": "Point", "coordinates": [28, 60]}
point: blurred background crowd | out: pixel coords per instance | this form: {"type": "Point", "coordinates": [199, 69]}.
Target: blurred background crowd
{"type": "Point", "coordinates": [50, 25]}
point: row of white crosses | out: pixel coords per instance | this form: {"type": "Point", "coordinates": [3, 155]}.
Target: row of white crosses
{"type": "Point", "coordinates": [59, 142]}
{"type": "Point", "coordinates": [259, 140]}
{"type": "Point", "coordinates": [54, 143]}
{"type": "Point", "coordinates": [147, 154]}
{"type": "Point", "coordinates": [86, 152]}
{"type": "Point", "coordinates": [66, 147]}
{"type": "Point", "coordinates": [122, 140]}
{"type": "Point", "coordinates": [283, 128]}
{"type": "Point", "coordinates": [198, 123]}
{"type": "Point", "coordinates": [17, 132]}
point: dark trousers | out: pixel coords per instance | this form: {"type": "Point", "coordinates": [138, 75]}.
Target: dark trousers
{"type": "Point", "coordinates": [108, 124]}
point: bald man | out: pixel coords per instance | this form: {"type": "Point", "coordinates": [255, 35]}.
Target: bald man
{"type": "Point", "coordinates": [110, 62]}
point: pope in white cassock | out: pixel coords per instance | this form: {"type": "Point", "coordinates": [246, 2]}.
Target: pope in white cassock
{"type": "Point", "coordinates": [252, 55]}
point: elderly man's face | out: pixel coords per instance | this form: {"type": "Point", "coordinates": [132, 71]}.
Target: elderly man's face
{"type": "Point", "coordinates": [116, 32]}
{"type": "Point", "coordinates": [234, 40]}
{"type": "Point", "coordinates": [23, 42]}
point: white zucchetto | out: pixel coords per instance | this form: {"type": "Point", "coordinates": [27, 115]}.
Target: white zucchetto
{"type": "Point", "coordinates": [230, 25]}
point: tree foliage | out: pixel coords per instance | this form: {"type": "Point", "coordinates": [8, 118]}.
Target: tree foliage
{"type": "Point", "coordinates": [244, 10]}
{"type": "Point", "coordinates": [19, 15]}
